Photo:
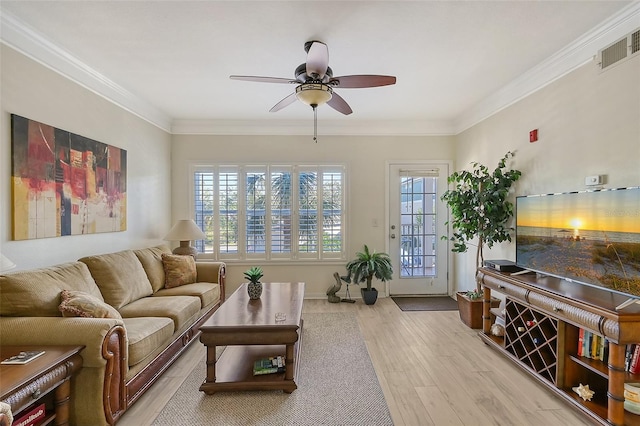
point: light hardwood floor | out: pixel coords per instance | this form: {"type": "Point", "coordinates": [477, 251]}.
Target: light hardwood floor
{"type": "Point", "coordinates": [432, 368]}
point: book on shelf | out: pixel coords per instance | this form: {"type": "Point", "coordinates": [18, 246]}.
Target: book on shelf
{"type": "Point", "coordinates": [627, 355]}
{"type": "Point", "coordinates": [604, 349]}
{"type": "Point", "coordinates": [586, 344]}
{"type": "Point", "coordinates": [634, 365]}
{"type": "Point", "coordinates": [595, 346]}
{"type": "Point", "coordinates": [274, 364]}
{"type": "Point", "coordinates": [581, 342]}
{"type": "Point", "coordinates": [31, 417]}
{"type": "Point", "coordinates": [22, 357]}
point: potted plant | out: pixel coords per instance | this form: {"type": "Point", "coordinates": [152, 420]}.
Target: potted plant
{"type": "Point", "coordinates": [367, 265]}
{"type": "Point", "coordinates": [254, 288]}
{"type": "Point", "coordinates": [479, 209]}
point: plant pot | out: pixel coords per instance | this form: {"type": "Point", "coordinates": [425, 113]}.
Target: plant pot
{"type": "Point", "coordinates": [369, 296]}
{"type": "Point", "coordinates": [254, 290]}
{"type": "Point", "coordinates": [471, 310]}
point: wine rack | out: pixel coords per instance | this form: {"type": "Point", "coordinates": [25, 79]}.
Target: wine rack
{"type": "Point", "coordinates": [532, 337]}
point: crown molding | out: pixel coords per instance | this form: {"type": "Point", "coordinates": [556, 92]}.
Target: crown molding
{"type": "Point", "coordinates": [580, 52]}
{"type": "Point", "coordinates": [305, 127]}
{"type": "Point", "coordinates": [19, 36]}
{"type": "Point", "coordinates": [28, 41]}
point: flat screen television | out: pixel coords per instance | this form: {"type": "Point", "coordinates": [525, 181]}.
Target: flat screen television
{"type": "Point", "coordinates": [588, 237]}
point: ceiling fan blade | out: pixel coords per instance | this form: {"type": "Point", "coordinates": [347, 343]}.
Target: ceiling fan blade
{"type": "Point", "coordinates": [264, 79]}
{"type": "Point", "coordinates": [361, 81]}
{"type": "Point", "coordinates": [285, 102]}
{"type": "Point", "coordinates": [336, 102]}
{"type": "Point", "coordinates": [317, 60]}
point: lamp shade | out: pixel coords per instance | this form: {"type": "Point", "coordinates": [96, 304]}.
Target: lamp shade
{"type": "Point", "coordinates": [6, 263]}
{"type": "Point", "coordinates": [184, 231]}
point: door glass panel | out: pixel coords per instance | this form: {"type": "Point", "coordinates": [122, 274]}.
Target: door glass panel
{"type": "Point", "coordinates": [418, 226]}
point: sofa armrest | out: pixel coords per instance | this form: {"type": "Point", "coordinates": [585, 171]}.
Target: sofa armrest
{"type": "Point", "coordinates": [105, 351]}
{"type": "Point", "coordinates": [212, 272]}
{"type": "Point", "coordinates": [90, 332]}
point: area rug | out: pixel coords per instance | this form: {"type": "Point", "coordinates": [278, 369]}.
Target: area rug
{"type": "Point", "coordinates": [439, 303]}
{"type": "Point", "coordinates": [337, 385]}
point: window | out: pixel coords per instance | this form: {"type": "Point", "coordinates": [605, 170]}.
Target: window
{"type": "Point", "coordinates": [270, 212]}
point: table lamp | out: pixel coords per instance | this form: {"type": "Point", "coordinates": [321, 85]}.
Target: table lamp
{"type": "Point", "coordinates": [184, 231]}
{"type": "Point", "coordinates": [6, 263]}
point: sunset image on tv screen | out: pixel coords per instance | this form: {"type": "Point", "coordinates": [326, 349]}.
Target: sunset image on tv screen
{"type": "Point", "coordinates": [591, 237]}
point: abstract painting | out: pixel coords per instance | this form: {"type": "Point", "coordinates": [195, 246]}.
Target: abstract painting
{"type": "Point", "coordinates": [65, 184]}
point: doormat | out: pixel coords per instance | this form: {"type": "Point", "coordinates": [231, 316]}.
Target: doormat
{"type": "Point", "coordinates": [440, 303]}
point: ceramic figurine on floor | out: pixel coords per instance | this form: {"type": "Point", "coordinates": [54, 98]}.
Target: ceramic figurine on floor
{"type": "Point", "coordinates": [331, 292]}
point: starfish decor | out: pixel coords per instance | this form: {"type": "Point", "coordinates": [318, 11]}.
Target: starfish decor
{"type": "Point", "coordinates": [584, 392]}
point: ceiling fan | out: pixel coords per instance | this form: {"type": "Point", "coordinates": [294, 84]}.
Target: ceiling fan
{"type": "Point", "coordinates": [316, 82]}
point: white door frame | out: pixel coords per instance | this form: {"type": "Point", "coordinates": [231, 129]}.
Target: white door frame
{"type": "Point", "coordinates": [387, 221]}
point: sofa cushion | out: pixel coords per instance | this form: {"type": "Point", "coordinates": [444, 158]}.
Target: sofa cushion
{"type": "Point", "coordinates": [120, 277]}
{"type": "Point", "coordinates": [207, 292]}
{"type": "Point", "coordinates": [81, 304]}
{"type": "Point", "coordinates": [181, 309]}
{"type": "Point", "coordinates": [179, 270]}
{"type": "Point", "coordinates": [151, 259]}
{"type": "Point", "coordinates": [36, 292]}
{"type": "Point", "coordinates": [146, 335]}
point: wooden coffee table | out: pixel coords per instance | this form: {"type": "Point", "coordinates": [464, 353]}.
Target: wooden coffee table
{"type": "Point", "coordinates": [250, 331]}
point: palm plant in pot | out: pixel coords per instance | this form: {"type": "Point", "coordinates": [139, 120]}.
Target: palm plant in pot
{"type": "Point", "coordinates": [367, 265]}
{"type": "Point", "coordinates": [479, 209]}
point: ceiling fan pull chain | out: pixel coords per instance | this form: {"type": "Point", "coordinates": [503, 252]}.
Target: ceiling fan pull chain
{"type": "Point", "coordinates": [315, 123]}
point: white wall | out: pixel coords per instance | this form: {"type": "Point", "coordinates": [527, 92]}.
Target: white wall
{"type": "Point", "coordinates": [33, 91]}
{"type": "Point", "coordinates": [589, 124]}
{"type": "Point", "coordinates": [588, 121]}
{"type": "Point", "coordinates": [365, 158]}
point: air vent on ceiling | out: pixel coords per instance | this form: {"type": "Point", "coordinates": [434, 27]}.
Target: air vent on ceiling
{"type": "Point", "coordinates": [635, 42]}
{"type": "Point", "coordinates": [621, 49]}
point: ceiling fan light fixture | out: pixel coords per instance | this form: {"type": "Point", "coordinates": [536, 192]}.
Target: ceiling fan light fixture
{"type": "Point", "coordinates": [314, 94]}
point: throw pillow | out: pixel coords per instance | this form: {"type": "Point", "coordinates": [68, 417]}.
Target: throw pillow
{"type": "Point", "coordinates": [81, 304]}
{"type": "Point", "coordinates": [179, 270]}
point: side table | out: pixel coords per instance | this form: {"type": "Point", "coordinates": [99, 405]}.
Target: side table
{"type": "Point", "coordinates": [25, 385]}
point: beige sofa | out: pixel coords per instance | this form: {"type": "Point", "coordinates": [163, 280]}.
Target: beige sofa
{"type": "Point", "coordinates": [122, 356]}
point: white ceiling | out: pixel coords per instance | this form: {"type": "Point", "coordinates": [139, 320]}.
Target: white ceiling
{"type": "Point", "coordinates": [456, 62]}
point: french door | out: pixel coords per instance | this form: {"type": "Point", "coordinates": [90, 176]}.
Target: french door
{"type": "Point", "coordinates": [417, 219]}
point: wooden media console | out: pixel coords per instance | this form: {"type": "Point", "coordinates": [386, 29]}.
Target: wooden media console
{"type": "Point", "coordinates": [543, 317]}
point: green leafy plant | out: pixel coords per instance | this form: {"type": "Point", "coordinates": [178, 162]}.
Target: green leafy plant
{"type": "Point", "coordinates": [369, 264]}
{"type": "Point", "coordinates": [479, 206]}
{"type": "Point", "coordinates": [474, 294]}
{"type": "Point", "coordinates": [254, 274]}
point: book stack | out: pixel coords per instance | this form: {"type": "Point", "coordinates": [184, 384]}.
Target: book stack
{"type": "Point", "coordinates": [632, 358]}
{"type": "Point", "coordinates": [274, 364]}
{"type": "Point", "coordinates": [593, 346]}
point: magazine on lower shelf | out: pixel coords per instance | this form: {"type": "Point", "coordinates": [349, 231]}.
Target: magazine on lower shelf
{"type": "Point", "coordinates": [22, 357]}
{"type": "Point", "coordinates": [274, 364]}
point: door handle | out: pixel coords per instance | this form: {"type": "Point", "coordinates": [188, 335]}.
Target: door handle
{"type": "Point", "coordinates": [393, 236]}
